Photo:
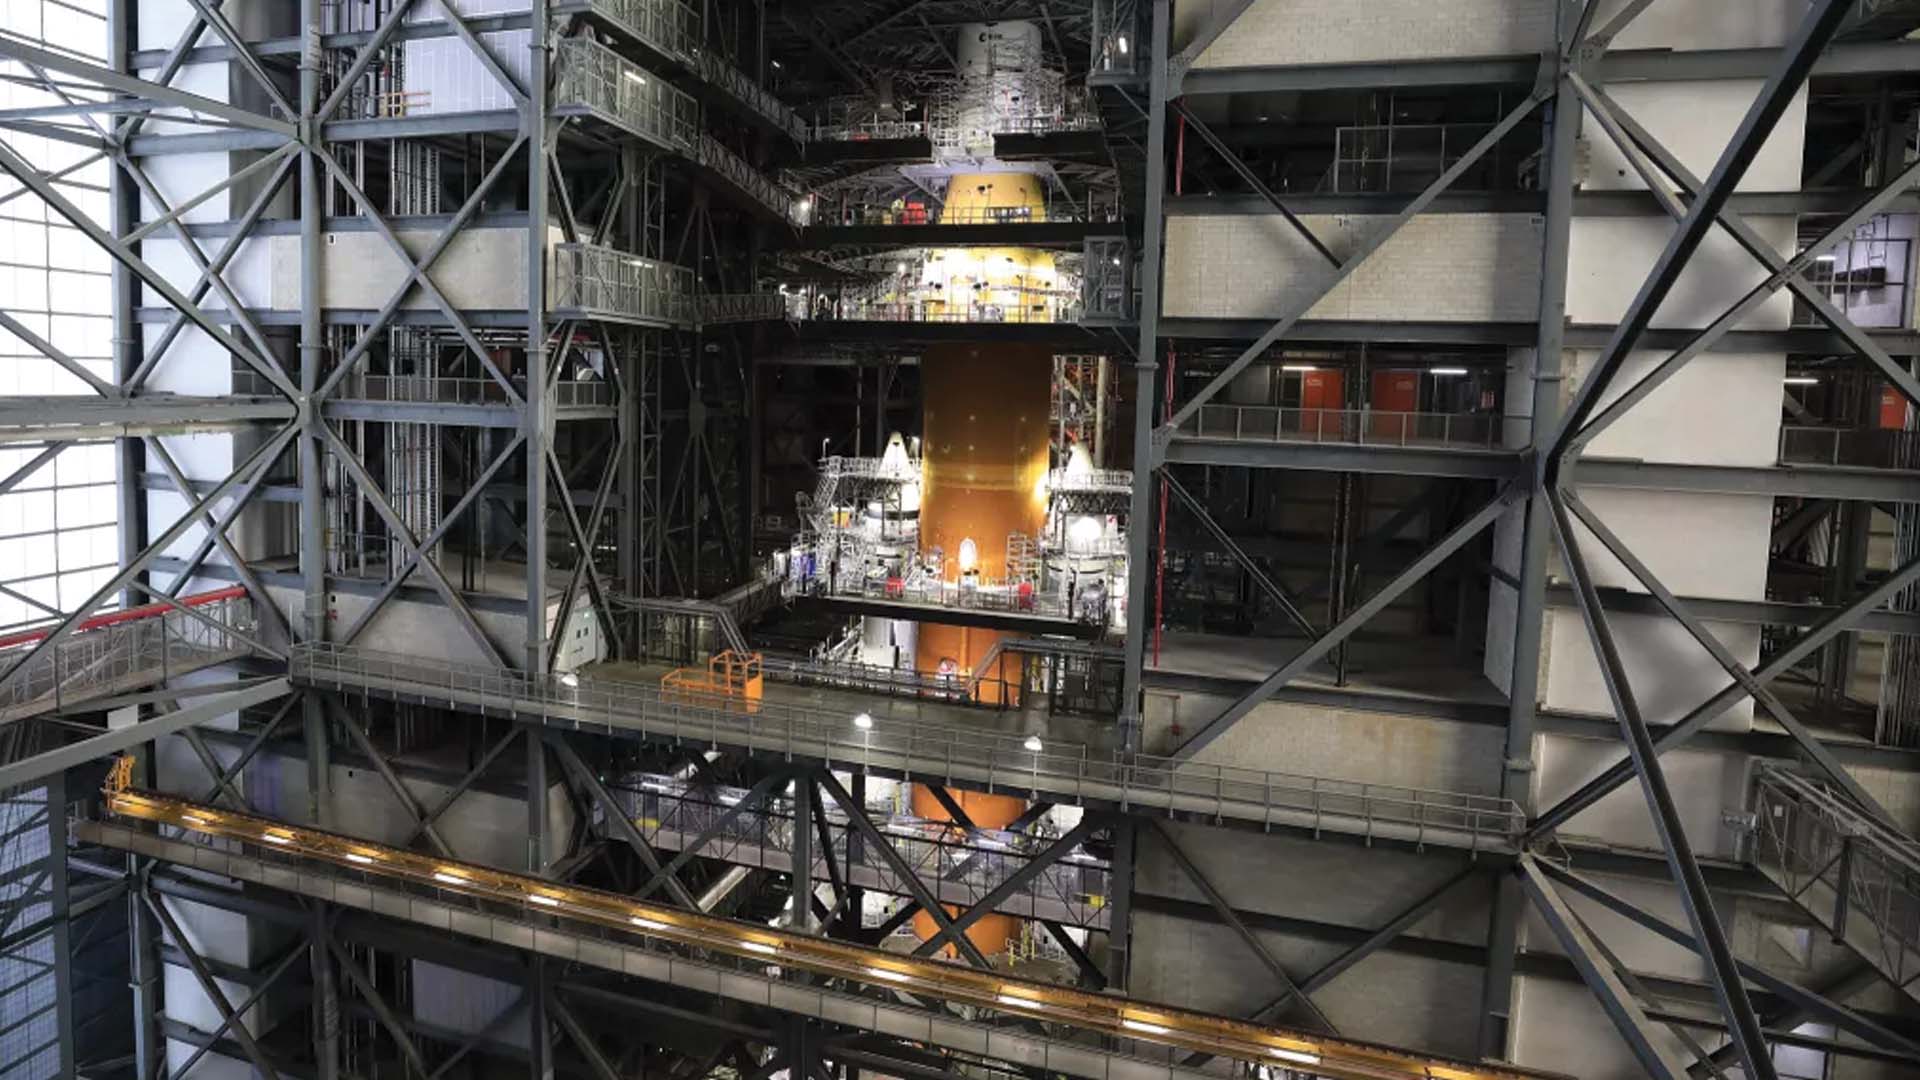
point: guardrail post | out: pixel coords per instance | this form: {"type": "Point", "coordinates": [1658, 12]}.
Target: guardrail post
{"type": "Point", "coordinates": [1843, 881]}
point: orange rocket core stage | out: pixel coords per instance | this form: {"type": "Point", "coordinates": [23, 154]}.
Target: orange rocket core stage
{"type": "Point", "coordinates": [983, 471]}
{"type": "Point", "coordinates": [994, 932]}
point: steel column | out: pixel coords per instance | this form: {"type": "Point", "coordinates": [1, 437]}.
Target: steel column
{"type": "Point", "coordinates": [800, 890]}
{"type": "Point", "coordinates": [538, 424]}
{"type": "Point", "coordinates": [1146, 367]}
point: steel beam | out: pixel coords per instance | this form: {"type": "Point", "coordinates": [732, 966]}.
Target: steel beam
{"type": "Point", "coordinates": [1374, 241]}
{"type": "Point", "coordinates": [1146, 374]}
{"type": "Point", "coordinates": [1628, 1017]}
{"type": "Point", "coordinates": [385, 768]}
{"type": "Point", "coordinates": [1459, 462]}
{"type": "Point", "coordinates": [1742, 1023]}
{"type": "Point", "coordinates": [60, 759]}
{"type": "Point", "coordinates": [65, 64]}
{"type": "Point", "coordinates": [1809, 745]}
{"type": "Point", "coordinates": [405, 570]}
{"type": "Point", "coordinates": [25, 173]}
{"type": "Point", "coordinates": [1453, 541]}
{"type": "Point", "coordinates": [399, 531]}
{"type": "Point", "coordinates": [1254, 572]}
{"type": "Point", "coordinates": [1013, 883]}
{"type": "Point", "coordinates": [582, 1041]}
{"type": "Point", "coordinates": [1805, 645]}
{"type": "Point", "coordinates": [617, 817]}
{"type": "Point", "coordinates": [857, 815]}
{"type": "Point", "coordinates": [754, 796]}
{"type": "Point", "coordinates": [47, 349]}
{"type": "Point", "coordinates": [377, 1002]}
{"type": "Point", "coordinates": [1803, 481]}
{"type": "Point", "coordinates": [211, 988]}
{"type": "Point", "coordinates": [1290, 989]}
{"type": "Point", "coordinates": [466, 784]}
{"type": "Point", "coordinates": [1815, 30]}
{"type": "Point", "coordinates": [1815, 1004]}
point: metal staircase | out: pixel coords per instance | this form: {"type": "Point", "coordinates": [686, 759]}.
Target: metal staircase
{"type": "Point", "coordinates": [1854, 876]}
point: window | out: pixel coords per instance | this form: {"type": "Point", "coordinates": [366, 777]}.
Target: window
{"type": "Point", "coordinates": [58, 539]}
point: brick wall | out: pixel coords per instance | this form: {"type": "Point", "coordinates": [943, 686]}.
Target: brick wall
{"type": "Point", "coordinates": [1438, 267]}
{"type": "Point", "coordinates": [1360, 31]}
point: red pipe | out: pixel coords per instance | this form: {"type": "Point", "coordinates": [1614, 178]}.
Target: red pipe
{"type": "Point", "coordinates": [1166, 416]}
{"type": "Point", "coordinates": [134, 614]}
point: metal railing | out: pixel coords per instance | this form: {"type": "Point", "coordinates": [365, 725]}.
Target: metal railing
{"type": "Point", "coordinates": [1407, 157]}
{"type": "Point", "coordinates": [1878, 448]}
{"type": "Point", "coordinates": [595, 280]}
{"type": "Point", "coordinates": [838, 467]}
{"type": "Point", "coordinates": [1858, 878]}
{"type": "Point", "coordinates": [958, 869]}
{"type": "Point", "coordinates": [1366, 427]}
{"type": "Point", "coordinates": [709, 152]}
{"type": "Point", "coordinates": [733, 82]}
{"type": "Point", "coordinates": [669, 27]}
{"type": "Point", "coordinates": [868, 130]}
{"type": "Point", "coordinates": [594, 80]}
{"type": "Point", "coordinates": [1051, 308]}
{"type": "Point", "coordinates": [982, 594]}
{"type": "Point", "coordinates": [1116, 481]}
{"type": "Point", "coordinates": [718, 308]}
{"type": "Point", "coordinates": [992, 760]}
{"type": "Point", "coordinates": [827, 210]}
{"type": "Point", "coordinates": [124, 655]}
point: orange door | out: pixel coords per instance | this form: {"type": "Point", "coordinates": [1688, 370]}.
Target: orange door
{"type": "Point", "coordinates": [1393, 395]}
{"type": "Point", "coordinates": [1322, 395]}
{"type": "Point", "coordinates": [1893, 409]}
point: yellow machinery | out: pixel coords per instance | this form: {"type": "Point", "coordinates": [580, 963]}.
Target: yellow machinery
{"type": "Point", "coordinates": [729, 680]}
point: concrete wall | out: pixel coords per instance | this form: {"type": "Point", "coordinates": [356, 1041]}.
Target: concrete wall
{"type": "Point", "coordinates": [1306, 32]}
{"type": "Point", "coordinates": [1392, 997]}
{"type": "Point", "coordinates": [1345, 744]}
{"type": "Point", "coordinates": [1286, 32]}
{"type": "Point", "coordinates": [481, 269]}
{"type": "Point", "coordinates": [1440, 267]}
{"type": "Point", "coordinates": [415, 628]}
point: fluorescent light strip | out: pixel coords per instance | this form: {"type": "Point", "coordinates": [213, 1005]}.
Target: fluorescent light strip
{"type": "Point", "coordinates": [364, 860]}
{"type": "Point", "coordinates": [451, 879]}
{"type": "Point", "coordinates": [759, 947]}
{"type": "Point", "coordinates": [1298, 1057]}
{"type": "Point", "coordinates": [544, 901]}
{"type": "Point", "coordinates": [636, 77]}
{"type": "Point", "coordinates": [1018, 1002]}
{"type": "Point", "coordinates": [647, 924]}
{"type": "Point", "coordinates": [889, 975]}
{"type": "Point", "coordinates": [274, 838]}
{"type": "Point", "coordinates": [1145, 1028]}
{"type": "Point", "coordinates": [1447, 371]}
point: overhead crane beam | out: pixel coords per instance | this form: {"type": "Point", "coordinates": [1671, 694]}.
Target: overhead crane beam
{"type": "Point", "coordinates": [539, 898]}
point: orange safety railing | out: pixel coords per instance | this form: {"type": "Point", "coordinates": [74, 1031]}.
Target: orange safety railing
{"type": "Point", "coordinates": [728, 677]}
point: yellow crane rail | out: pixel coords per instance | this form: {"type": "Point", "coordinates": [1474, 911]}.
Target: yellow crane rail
{"type": "Point", "coordinates": [1308, 1052]}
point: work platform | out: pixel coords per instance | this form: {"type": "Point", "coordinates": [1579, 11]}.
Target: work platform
{"type": "Point", "coordinates": [931, 741]}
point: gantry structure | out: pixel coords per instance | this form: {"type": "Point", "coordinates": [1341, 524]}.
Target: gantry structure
{"type": "Point", "coordinates": [446, 368]}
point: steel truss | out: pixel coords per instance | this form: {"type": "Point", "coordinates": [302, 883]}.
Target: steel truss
{"type": "Point", "coordinates": [1541, 479]}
